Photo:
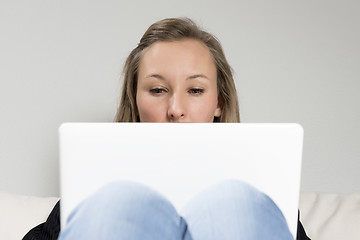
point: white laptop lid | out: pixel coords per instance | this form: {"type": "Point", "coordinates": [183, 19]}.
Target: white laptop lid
{"type": "Point", "coordinates": [179, 160]}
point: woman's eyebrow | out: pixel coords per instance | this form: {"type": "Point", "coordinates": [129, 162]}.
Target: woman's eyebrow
{"type": "Point", "coordinates": [158, 76]}
{"type": "Point", "coordinates": [197, 76]}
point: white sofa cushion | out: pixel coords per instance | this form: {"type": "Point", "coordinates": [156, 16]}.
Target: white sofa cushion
{"type": "Point", "coordinates": [324, 216]}
{"type": "Point", "coordinates": [18, 214]}
{"type": "Point", "coordinates": [328, 216]}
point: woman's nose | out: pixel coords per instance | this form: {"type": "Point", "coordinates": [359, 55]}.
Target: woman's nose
{"type": "Point", "coordinates": [176, 109]}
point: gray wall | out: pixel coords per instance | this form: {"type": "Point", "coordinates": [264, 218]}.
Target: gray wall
{"type": "Point", "coordinates": [294, 61]}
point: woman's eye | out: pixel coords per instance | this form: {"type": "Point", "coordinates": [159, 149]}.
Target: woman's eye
{"type": "Point", "coordinates": [157, 90]}
{"type": "Point", "coordinates": [196, 91]}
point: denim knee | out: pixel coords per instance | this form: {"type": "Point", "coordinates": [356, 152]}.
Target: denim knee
{"type": "Point", "coordinates": [127, 209]}
{"type": "Point", "coordinates": [229, 190]}
{"type": "Point", "coordinates": [232, 209]}
{"type": "Point", "coordinates": [235, 195]}
{"type": "Point", "coordinates": [125, 197]}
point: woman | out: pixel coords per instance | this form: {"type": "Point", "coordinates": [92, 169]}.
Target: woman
{"type": "Point", "coordinates": [177, 73]}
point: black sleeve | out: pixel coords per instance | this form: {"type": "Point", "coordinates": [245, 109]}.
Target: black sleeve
{"type": "Point", "coordinates": [301, 234]}
{"type": "Point", "coordinates": [48, 230]}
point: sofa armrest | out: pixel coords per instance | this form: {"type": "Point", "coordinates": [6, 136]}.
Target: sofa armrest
{"type": "Point", "coordinates": [327, 216]}
{"type": "Point", "coordinates": [20, 213]}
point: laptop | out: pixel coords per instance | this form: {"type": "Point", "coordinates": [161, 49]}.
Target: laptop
{"type": "Point", "coordinates": [179, 160]}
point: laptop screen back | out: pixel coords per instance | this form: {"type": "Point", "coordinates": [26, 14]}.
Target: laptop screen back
{"type": "Point", "coordinates": [179, 160]}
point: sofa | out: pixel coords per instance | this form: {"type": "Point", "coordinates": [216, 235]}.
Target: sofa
{"type": "Point", "coordinates": [325, 216]}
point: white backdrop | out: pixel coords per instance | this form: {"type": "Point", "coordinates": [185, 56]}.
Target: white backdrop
{"type": "Point", "coordinates": [61, 61]}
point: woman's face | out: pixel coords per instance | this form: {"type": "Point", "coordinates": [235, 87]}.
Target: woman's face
{"type": "Point", "coordinates": [177, 83]}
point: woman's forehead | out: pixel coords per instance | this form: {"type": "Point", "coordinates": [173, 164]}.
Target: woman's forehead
{"type": "Point", "coordinates": [186, 56]}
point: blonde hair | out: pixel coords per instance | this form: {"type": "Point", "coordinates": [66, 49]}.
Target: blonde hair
{"type": "Point", "coordinates": [175, 29]}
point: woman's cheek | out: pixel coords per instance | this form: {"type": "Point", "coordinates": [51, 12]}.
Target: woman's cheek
{"type": "Point", "coordinates": [150, 110]}
{"type": "Point", "coordinates": [204, 110]}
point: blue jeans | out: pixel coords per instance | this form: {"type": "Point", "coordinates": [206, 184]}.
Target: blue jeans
{"type": "Point", "coordinates": [126, 210]}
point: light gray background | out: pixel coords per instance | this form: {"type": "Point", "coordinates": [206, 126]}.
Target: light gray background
{"type": "Point", "coordinates": [294, 61]}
